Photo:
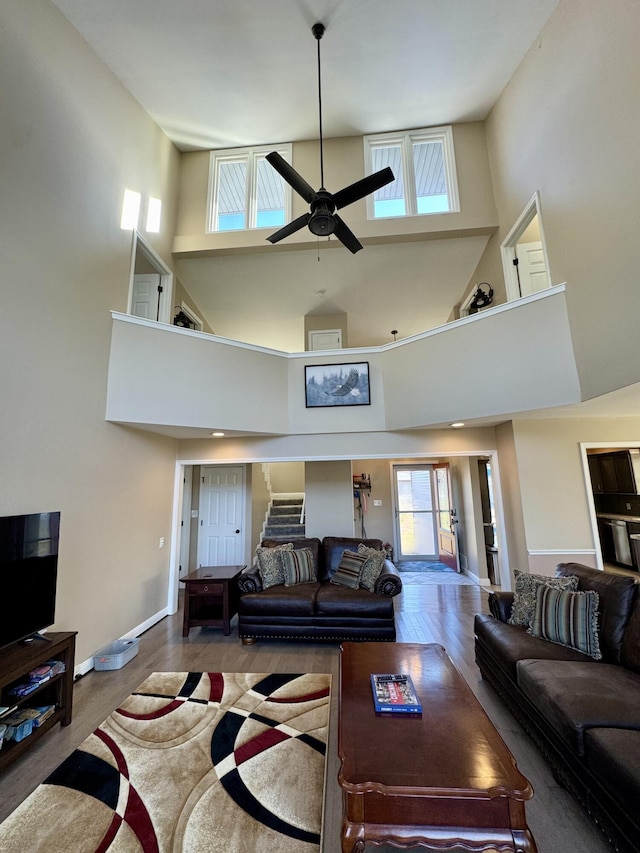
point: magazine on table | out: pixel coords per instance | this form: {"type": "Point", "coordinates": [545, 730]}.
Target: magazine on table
{"type": "Point", "coordinates": [394, 693]}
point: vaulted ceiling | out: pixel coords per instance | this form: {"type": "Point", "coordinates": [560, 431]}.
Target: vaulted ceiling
{"type": "Point", "coordinates": [228, 73]}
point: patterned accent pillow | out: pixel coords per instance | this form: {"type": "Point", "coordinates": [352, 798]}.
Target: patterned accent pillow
{"type": "Point", "coordinates": [372, 568]}
{"type": "Point", "coordinates": [526, 589]}
{"type": "Point", "coordinates": [270, 564]}
{"type": "Point", "coordinates": [349, 570]}
{"type": "Point", "coordinates": [567, 618]}
{"type": "Point", "coordinates": [298, 566]}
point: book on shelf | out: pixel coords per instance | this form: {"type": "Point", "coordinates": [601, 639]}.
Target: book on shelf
{"type": "Point", "coordinates": [7, 709]}
{"type": "Point", "coordinates": [395, 694]}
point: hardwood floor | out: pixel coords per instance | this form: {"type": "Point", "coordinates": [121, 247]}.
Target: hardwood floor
{"type": "Point", "coordinates": [425, 614]}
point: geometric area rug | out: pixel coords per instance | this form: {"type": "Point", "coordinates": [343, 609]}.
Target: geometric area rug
{"type": "Point", "coordinates": [190, 762]}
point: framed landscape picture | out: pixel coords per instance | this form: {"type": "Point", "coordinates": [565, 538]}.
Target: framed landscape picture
{"type": "Point", "coordinates": [337, 385]}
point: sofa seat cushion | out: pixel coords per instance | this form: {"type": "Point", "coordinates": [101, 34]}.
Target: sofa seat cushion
{"type": "Point", "coordinates": [510, 643]}
{"type": "Point", "coordinates": [576, 696]}
{"type": "Point", "coordinates": [613, 756]}
{"type": "Point", "coordinates": [333, 600]}
{"type": "Point", "coordinates": [281, 600]}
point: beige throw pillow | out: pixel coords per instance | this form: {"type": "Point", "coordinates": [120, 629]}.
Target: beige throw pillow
{"type": "Point", "coordinates": [270, 564]}
{"type": "Point", "coordinates": [525, 594]}
{"type": "Point", "coordinates": [372, 567]}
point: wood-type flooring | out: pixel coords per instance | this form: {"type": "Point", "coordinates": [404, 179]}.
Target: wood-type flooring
{"type": "Point", "coordinates": [425, 614]}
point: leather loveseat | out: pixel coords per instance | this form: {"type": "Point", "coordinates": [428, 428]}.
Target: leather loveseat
{"type": "Point", "coordinates": [320, 610]}
{"type": "Point", "coordinates": [583, 713]}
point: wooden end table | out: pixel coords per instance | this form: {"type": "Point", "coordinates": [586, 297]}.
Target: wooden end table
{"type": "Point", "coordinates": [211, 598]}
{"type": "Point", "coordinates": [444, 779]}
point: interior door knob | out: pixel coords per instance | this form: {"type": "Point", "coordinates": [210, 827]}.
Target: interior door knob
{"type": "Point", "coordinates": [237, 531]}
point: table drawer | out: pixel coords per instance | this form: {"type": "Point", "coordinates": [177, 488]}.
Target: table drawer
{"type": "Point", "coordinates": [205, 588]}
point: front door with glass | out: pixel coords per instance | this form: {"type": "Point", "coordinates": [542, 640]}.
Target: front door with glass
{"type": "Point", "coordinates": [414, 516]}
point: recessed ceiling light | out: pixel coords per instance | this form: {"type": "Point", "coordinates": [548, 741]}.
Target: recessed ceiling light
{"type": "Point", "coordinates": [217, 434]}
{"type": "Point", "coordinates": [457, 425]}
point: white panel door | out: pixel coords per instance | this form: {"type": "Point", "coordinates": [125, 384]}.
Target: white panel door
{"type": "Point", "coordinates": [146, 296]}
{"type": "Point", "coordinates": [220, 539]}
{"type": "Point", "coordinates": [325, 339]}
{"type": "Point", "coordinates": [531, 268]}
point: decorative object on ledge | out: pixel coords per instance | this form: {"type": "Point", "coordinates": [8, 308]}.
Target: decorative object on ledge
{"type": "Point", "coordinates": [182, 320]}
{"type": "Point", "coordinates": [337, 385]}
{"type": "Point", "coordinates": [481, 298]}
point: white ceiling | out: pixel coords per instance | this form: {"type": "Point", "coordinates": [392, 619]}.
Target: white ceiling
{"type": "Point", "coordinates": [225, 73]}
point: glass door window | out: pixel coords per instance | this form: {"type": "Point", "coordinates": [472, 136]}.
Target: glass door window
{"type": "Point", "coordinates": [444, 499]}
{"type": "Point", "coordinates": [415, 516]}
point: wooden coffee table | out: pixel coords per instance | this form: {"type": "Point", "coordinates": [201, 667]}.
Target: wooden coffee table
{"type": "Point", "coordinates": [441, 780]}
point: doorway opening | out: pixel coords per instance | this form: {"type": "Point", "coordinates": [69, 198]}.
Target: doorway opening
{"type": "Point", "coordinates": [524, 254]}
{"type": "Point", "coordinates": [150, 283]}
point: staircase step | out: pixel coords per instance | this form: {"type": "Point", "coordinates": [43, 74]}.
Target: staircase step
{"type": "Point", "coordinates": [283, 519]}
{"type": "Point", "coordinates": [280, 531]}
{"type": "Point", "coordinates": [286, 509]}
{"type": "Point", "coordinates": [287, 502]}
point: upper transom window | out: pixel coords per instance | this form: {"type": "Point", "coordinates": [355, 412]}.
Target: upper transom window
{"type": "Point", "coordinates": [423, 163]}
{"type": "Point", "coordinates": [245, 191]}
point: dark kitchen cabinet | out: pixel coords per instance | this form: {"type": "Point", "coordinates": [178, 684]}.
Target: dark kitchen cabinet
{"type": "Point", "coordinates": [612, 473]}
{"type": "Point", "coordinates": [595, 471]}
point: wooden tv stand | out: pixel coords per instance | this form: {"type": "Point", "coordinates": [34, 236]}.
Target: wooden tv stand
{"type": "Point", "coordinates": [16, 662]}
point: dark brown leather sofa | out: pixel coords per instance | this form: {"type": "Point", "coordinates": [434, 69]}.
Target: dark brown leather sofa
{"type": "Point", "coordinates": [583, 714]}
{"type": "Point", "coordinates": [320, 610]}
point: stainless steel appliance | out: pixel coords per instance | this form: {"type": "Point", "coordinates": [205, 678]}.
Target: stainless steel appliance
{"type": "Point", "coordinates": [621, 541]}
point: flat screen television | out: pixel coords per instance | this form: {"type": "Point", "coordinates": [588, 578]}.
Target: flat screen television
{"type": "Point", "coordinates": [28, 574]}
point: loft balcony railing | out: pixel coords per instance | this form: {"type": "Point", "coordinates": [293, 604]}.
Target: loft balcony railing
{"type": "Point", "coordinates": [511, 358]}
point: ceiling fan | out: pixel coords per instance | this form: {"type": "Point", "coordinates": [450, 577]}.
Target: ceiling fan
{"type": "Point", "coordinates": [322, 218]}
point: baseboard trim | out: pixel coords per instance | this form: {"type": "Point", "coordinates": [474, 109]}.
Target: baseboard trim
{"type": "Point", "coordinates": [555, 551]}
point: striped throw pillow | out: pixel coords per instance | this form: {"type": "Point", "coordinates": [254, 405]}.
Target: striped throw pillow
{"type": "Point", "coordinates": [298, 567]}
{"type": "Point", "coordinates": [567, 618]}
{"type": "Point", "coordinates": [349, 569]}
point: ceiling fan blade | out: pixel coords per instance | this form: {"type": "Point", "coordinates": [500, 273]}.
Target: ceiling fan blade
{"type": "Point", "coordinates": [346, 235]}
{"type": "Point", "coordinates": [291, 176]}
{"type": "Point", "coordinates": [354, 192]}
{"type": "Point", "coordinates": [291, 228]}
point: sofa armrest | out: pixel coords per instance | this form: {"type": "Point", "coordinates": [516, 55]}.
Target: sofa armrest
{"type": "Point", "coordinates": [500, 604]}
{"type": "Point", "coordinates": [389, 581]}
{"type": "Point", "coordinates": [250, 580]}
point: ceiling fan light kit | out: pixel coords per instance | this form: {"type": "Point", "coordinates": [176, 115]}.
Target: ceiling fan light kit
{"type": "Point", "coordinates": [322, 219]}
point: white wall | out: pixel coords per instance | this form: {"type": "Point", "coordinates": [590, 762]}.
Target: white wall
{"type": "Point", "coordinates": [554, 490]}
{"type": "Point", "coordinates": [507, 359]}
{"type": "Point", "coordinates": [567, 125]}
{"type": "Point", "coordinates": [72, 141]}
{"type": "Point", "coordinates": [329, 499]}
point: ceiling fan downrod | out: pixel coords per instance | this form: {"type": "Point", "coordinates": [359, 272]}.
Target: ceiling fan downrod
{"type": "Point", "coordinates": [318, 31]}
